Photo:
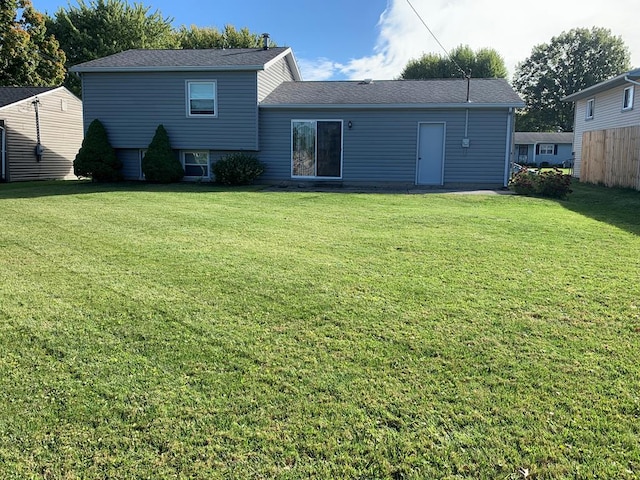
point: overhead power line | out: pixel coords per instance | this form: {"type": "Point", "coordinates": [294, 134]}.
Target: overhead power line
{"type": "Point", "coordinates": [466, 75]}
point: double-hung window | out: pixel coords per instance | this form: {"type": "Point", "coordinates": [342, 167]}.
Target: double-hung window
{"type": "Point", "coordinates": [316, 149]}
{"type": "Point", "coordinates": [201, 99]}
{"type": "Point", "coordinates": [546, 148]}
{"type": "Point", "coordinates": [627, 98]}
{"type": "Point", "coordinates": [591, 103]}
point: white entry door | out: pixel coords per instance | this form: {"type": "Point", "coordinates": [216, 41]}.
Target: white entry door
{"type": "Point", "coordinates": [430, 154]}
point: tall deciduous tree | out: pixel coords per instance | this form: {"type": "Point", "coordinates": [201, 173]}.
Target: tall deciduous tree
{"type": "Point", "coordinates": [211, 37]}
{"type": "Point", "coordinates": [483, 63]}
{"type": "Point", "coordinates": [572, 61]}
{"type": "Point", "coordinates": [104, 27]}
{"type": "Point", "coordinates": [29, 55]}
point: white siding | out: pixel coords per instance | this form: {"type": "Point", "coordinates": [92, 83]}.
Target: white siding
{"type": "Point", "coordinates": [607, 114]}
{"type": "Point", "coordinates": [61, 133]}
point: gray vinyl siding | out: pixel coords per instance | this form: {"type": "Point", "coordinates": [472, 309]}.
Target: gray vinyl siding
{"type": "Point", "coordinates": [607, 114]}
{"type": "Point", "coordinates": [132, 105]}
{"type": "Point", "coordinates": [273, 76]}
{"type": "Point", "coordinates": [381, 146]}
{"type": "Point", "coordinates": [61, 132]}
{"type": "Point", "coordinates": [131, 168]}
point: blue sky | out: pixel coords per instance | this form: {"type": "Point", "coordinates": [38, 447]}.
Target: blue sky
{"type": "Point", "coordinates": [355, 39]}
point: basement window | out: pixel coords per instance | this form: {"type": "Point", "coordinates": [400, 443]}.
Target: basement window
{"type": "Point", "coordinates": [196, 165]}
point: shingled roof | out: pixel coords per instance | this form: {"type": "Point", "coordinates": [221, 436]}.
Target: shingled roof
{"type": "Point", "coordinates": [390, 93]}
{"type": "Point", "coordinates": [603, 86]}
{"type": "Point", "coordinates": [9, 95]}
{"type": "Point", "coordinates": [529, 138]}
{"type": "Point", "coordinates": [184, 60]}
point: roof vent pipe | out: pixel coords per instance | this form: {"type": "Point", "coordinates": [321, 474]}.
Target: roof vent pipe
{"type": "Point", "coordinates": [265, 41]}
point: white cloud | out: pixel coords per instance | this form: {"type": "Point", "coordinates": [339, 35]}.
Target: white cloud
{"type": "Point", "coordinates": [320, 69]}
{"type": "Point", "coordinates": [511, 27]}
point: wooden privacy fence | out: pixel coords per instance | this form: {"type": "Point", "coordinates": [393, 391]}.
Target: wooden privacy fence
{"type": "Point", "coordinates": [612, 157]}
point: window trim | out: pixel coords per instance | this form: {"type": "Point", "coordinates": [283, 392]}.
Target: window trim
{"type": "Point", "coordinates": [546, 149]}
{"type": "Point", "coordinates": [183, 154]}
{"type": "Point", "coordinates": [141, 153]}
{"type": "Point", "coordinates": [590, 111]}
{"type": "Point", "coordinates": [315, 123]}
{"type": "Point", "coordinates": [629, 105]}
{"type": "Point", "coordinates": [188, 84]}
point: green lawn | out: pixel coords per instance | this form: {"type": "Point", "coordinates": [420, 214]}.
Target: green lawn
{"type": "Point", "coordinates": [191, 332]}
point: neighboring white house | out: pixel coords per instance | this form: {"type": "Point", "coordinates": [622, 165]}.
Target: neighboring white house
{"type": "Point", "coordinates": [612, 104]}
{"type": "Point", "coordinates": [40, 133]}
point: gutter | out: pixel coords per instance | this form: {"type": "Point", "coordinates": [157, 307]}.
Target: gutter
{"type": "Point", "coordinates": [627, 79]}
{"type": "Point", "coordinates": [369, 106]}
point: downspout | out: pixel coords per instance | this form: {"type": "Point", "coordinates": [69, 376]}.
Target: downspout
{"type": "Point", "coordinates": [507, 156]}
{"type": "Point", "coordinates": [38, 149]}
{"type": "Point", "coordinates": [627, 79]}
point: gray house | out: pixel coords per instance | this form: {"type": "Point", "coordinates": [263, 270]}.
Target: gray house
{"type": "Point", "coordinates": [40, 133]}
{"type": "Point", "coordinates": [213, 102]}
{"type": "Point", "coordinates": [543, 148]}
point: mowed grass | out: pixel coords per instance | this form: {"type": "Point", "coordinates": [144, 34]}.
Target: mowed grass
{"type": "Point", "coordinates": [202, 333]}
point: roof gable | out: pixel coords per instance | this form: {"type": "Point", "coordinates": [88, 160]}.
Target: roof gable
{"type": "Point", "coordinates": [10, 95]}
{"type": "Point", "coordinates": [185, 60]}
{"type": "Point", "coordinates": [389, 93]}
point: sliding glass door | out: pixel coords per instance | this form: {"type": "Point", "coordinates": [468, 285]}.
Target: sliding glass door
{"type": "Point", "coordinates": [316, 148]}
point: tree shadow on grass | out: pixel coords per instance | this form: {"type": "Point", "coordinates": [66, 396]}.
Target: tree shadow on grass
{"type": "Point", "coordinates": [619, 207]}
{"type": "Point", "coordinates": [81, 187]}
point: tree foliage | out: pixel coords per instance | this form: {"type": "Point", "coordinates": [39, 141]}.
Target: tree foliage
{"type": "Point", "coordinates": [483, 63]}
{"type": "Point", "coordinates": [97, 158]}
{"type": "Point", "coordinates": [211, 37]}
{"type": "Point", "coordinates": [29, 54]}
{"type": "Point", "coordinates": [104, 27]}
{"type": "Point", "coordinates": [572, 61]}
{"type": "Point", "coordinates": [160, 164]}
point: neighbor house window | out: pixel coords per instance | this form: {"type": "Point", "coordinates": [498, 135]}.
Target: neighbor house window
{"type": "Point", "coordinates": [591, 103]}
{"type": "Point", "coordinates": [201, 99]}
{"type": "Point", "coordinates": [546, 149]}
{"type": "Point", "coordinates": [627, 98]}
{"type": "Point", "coordinates": [196, 164]}
{"type": "Point", "coordinates": [316, 148]}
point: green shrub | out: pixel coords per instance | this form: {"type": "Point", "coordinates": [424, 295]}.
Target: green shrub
{"type": "Point", "coordinates": [552, 183]}
{"type": "Point", "coordinates": [524, 182]}
{"type": "Point", "coordinates": [160, 163]}
{"type": "Point", "coordinates": [237, 169]}
{"type": "Point", "coordinates": [97, 158]}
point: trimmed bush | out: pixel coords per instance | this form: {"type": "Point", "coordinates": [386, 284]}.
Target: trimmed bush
{"type": "Point", "coordinates": [552, 183]}
{"type": "Point", "coordinates": [96, 158]}
{"type": "Point", "coordinates": [237, 169]}
{"type": "Point", "coordinates": [160, 163]}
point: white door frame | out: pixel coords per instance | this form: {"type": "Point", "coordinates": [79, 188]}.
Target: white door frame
{"type": "Point", "coordinates": [3, 153]}
{"type": "Point", "coordinates": [444, 138]}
